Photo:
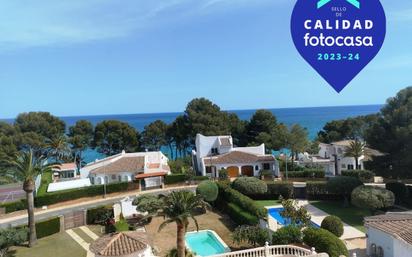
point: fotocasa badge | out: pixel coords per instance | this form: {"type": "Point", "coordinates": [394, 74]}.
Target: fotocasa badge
{"type": "Point", "coordinates": [338, 38]}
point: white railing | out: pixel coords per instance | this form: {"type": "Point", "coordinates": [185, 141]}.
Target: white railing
{"type": "Point", "coordinates": [271, 251]}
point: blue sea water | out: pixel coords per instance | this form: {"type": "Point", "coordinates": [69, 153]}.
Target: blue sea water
{"type": "Point", "coordinates": [312, 118]}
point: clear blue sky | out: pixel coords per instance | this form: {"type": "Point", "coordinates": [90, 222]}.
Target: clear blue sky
{"type": "Point", "coordinates": [82, 57]}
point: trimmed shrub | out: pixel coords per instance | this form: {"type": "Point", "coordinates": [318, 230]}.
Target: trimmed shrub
{"type": "Point", "coordinates": [99, 215]}
{"type": "Point", "coordinates": [72, 194]}
{"type": "Point", "coordinates": [208, 189]}
{"type": "Point", "coordinates": [307, 173]}
{"type": "Point", "coordinates": [48, 227]}
{"type": "Point", "coordinates": [121, 225]}
{"type": "Point", "coordinates": [343, 186]}
{"type": "Point", "coordinates": [253, 235]}
{"type": "Point", "coordinates": [200, 178]}
{"type": "Point", "coordinates": [175, 178]}
{"type": "Point", "coordinates": [229, 195]}
{"type": "Point", "coordinates": [318, 190]}
{"type": "Point", "coordinates": [287, 235]}
{"type": "Point", "coordinates": [241, 216]}
{"type": "Point", "coordinates": [250, 186]}
{"type": "Point", "coordinates": [333, 224]}
{"type": "Point", "coordinates": [372, 198]}
{"type": "Point", "coordinates": [400, 190]}
{"type": "Point", "coordinates": [276, 189]}
{"type": "Point", "coordinates": [324, 241]}
{"type": "Point", "coordinates": [14, 206]}
{"type": "Point", "coordinates": [363, 175]}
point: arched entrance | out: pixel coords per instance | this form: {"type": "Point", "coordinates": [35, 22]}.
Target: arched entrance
{"type": "Point", "coordinates": [247, 171]}
{"type": "Point", "coordinates": [233, 171]}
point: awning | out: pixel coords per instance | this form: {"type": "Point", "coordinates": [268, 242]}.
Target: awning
{"type": "Point", "coordinates": [150, 175]}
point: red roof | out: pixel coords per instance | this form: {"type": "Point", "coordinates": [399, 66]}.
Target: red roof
{"type": "Point", "coordinates": [66, 166]}
{"type": "Point", "coordinates": [149, 175]}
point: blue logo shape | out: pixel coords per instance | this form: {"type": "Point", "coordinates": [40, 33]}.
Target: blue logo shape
{"type": "Point", "coordinates": [338, 38]}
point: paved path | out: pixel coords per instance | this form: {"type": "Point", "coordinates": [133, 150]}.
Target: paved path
{"type": "Point", "coordinates": [61, 210]}
{"type": "Point", "coordinates": [81, 241]}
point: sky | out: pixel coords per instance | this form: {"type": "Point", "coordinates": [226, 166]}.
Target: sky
{"type": "Point", "coordinates": [90, 57]}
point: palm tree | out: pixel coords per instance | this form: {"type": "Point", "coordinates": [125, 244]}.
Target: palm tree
{"type": "Point", "coordinates": [26, 168]}
{"type": "Point", "coordinates": [355, 149]}
{"type": "Point", "coordinates": [58, 148]}
{"type": "Point", "coordinates": [178, 208]}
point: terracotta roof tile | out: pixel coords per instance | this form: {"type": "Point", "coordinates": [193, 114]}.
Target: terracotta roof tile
{"type": "Point", "coordinates": [398, 225]}
{"type": "Point", "coordinates": [237, 157]}
{"type": "Point", "coordinates": [130, 164]}
{"type": "Point", "coordinates": [65, 166]}
{"type": "Point", "coordinates": [119, 244]}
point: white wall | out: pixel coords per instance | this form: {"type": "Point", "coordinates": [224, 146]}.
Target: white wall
{"type": "Point", "coordinates": [402, 249]}
{"type": "Point", "coordinates": [381, 239]}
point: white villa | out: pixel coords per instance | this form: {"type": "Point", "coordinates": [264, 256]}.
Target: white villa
{"type": "Point", "coordinates": [148, 167]}
{"type": "Point", "coordinates": [214, 153]}
{"type": "Point", "coordinates": [332, 158]}
{"type": "Point", "coordinates": [389, 235]}
{"type": "Point", "coordinates": [65, 171]}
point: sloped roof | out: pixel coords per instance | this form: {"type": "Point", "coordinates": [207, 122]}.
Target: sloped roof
{"type": "Point", "coordinates": [65, 166]}
{"type": "Point", "coordinates": [130, 164]}
{"type": "Point", "coordinates": [225, 141]}
{"type": "Point", "coordinates": [119, 244]}
{"type": "Point", "coordinates": [234, 157]}
{"type": "Point", "coordinates": [398, 225]}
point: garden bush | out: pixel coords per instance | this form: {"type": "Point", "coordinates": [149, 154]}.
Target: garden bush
{"type": "Point", "coordinates": [241, 216]}
{"type": "Point", "coordinates": [324, 241]}
{"type": "Point", "coordinates": [363, 175]}
{"type": "Point", "coordinates": [121, 225]}
{"type": "Point", "coordinates": [14, 206]}
{"type": "Point", "coordinates": [276, 189]}
{"type": "Point", "coordinates": [318, 190]}
{"type": "Point", "coordinates": [99, 215]}
{"type": "Point", "coordinates": [230, 195]}
{"type": "Point", "coordinates": [250, 186]}
{"type": "Point", "coordinates": [400, 190]}
{"type": "Point", "coordinates": [343, 186]}
{"type": "Point", "coordinates": [253, 235]}
{"type": "Point", "coordinates": [208, 189]}
{"type": "Point", "coordinates": [287, 235]}
{"type": "Point", "coordinates": [333, 224]}
{"type": "Point", "coordinates": [72, 194]}
{"type": "Point", "coordinates": [307, 173]}
{"type": "Point", "coordinates": [48, 227]}
{"type": "Point", "coordinates": [175, 178]}
{"type": "Point", "coordinates": [372, 198]}
{"type": "Point", "coordinates": [200, 178]}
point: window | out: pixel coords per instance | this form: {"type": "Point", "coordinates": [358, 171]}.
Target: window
{"type": "Point", "coordinates": [214, 151]}
{"type": "Point", "coordinates": [119, 178]}
{"type": "Point", "coordinates": [266, 166]}
{"type": "Point", "coordinates": [340, 151]}
{"type": "Point", "coordinates": [70, 174]}
{"type": "Point", "coordinates": [113, 177]}
{"type": "Point", "coordinates": [126, 178]}
{"type": "Point", "coordinates": [380, 252]}
{"type": "Point", "coordinates": [350, 166]}
{"type": "Point", "coordinates": [256, 167]}
{"type": "Point", "coordinates": [92, 180]}
{"type": "Point", "coordinates": [373, 249]}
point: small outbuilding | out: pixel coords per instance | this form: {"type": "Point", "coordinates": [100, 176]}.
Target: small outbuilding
{"type": "Point", "coordinates": [123, 244]}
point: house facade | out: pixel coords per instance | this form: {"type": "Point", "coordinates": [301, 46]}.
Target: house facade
{"type": "Point", "coordinates": [65, 171]}
{"type": "Point", "coordinates": [148, 167]}
{"type": "Point", "coordinates": [214, 153]}
{"type": "Point", "coordinates": [332, 158]}
{"type": "Point", "coordinates": [389, 235]}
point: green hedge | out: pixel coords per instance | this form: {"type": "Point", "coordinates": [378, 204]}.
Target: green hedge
{"type": "Point", "coordinates": [46, 179]}
{"type": "Point", "coordinates": [48, 227]}
{"type": "Point", "coordinates": [95, 215]}
{"type": "Point", "coordinates": [284, 189]}
{"type": "Point", "coordinates": [317, 190]}
{"type": "Point", "coordinates": [324, 242]}
{"type": "Point", "coordinates": [307, 173]}
{"type": "Point", "coordinates": [240, 216]}
{"type": "Point", "coordinates": [72, 194]}
{"type": "Point", "coordinates": [363, 175]}
{"type": "Point", "coordinates": [175, 178]}
{"type": "Point", "coordinates": [230, 195]}
{"type": "Point", "coordinates": [400, 190]}
{"type": "Point", "coordinates": [15, 206]}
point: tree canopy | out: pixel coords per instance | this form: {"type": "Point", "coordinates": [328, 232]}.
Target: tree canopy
{"type": "Point", "coordinates": [154, 135]}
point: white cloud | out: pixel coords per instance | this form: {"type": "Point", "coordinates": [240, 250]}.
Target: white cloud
{"type": "Point", "coordinates": [26, 24]}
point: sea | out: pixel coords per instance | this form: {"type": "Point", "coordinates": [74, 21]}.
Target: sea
{"type": "Point", "coordinates": [312, 118]}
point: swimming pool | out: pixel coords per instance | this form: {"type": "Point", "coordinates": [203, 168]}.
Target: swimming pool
{"type": "Point", "coordinates": [205, 243]}
{"type": "Point", "coordinates": [275, 213]}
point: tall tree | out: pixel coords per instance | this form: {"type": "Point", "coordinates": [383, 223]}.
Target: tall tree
{"type": "Point", "coordinates": [112, 136]}
{"type": "Point", "coordinates": [179, 207]}
{"type": "Point", "coordinates": [355, 150]}
{"type": "Point", "coordinates": [41, 123]}
{"type": "Point", "coordinates": [154, 135]}
{"type": "Point", "coordinates": [297, 141]}
{"type": "Point", "coordinates": [27, 167]}
{"type": "Point", "coordinates": [58, 148]}
{"type": "Point", "coordinates": [392, 135]}
{"type": "Point", "coordinates": [180, 132]}
{"type": "Point", "coordinates": [80, 138]}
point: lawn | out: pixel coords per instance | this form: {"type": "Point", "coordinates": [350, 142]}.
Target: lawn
{"type": "Point", "coordinates": [61, 245]}
{"type": "Point", "coordinates": [264, 203]}
{"type": "Point", "coordinates": [351, 215]}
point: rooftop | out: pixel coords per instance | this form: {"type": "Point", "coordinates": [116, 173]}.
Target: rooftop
{"type": "Point", "coordinates": [120, 244]}
{"type": "Point", "coordinates": [238, 157]}
{"type": "Point", "coordinates": [130, 164]}
{"type": "Point", "coordinates": [66, 166]}
{"type": "Point", "coordinates": [399, 225]}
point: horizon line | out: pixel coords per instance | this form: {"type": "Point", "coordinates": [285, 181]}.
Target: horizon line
{"type": "Point", "coordinates": [232, 110]}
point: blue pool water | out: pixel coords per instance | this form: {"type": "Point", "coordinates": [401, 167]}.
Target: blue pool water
{"type": "Point", "coordinates": [275, 213]}
{"type": "Point", "coordinates": [204, 243]}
